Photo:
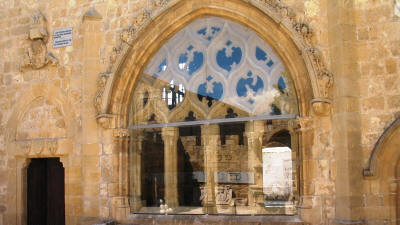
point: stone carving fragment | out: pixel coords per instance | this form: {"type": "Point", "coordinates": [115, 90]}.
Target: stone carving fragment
{"type": "Point", "coordinates": [223, 195]}
{"type": "Point", "coordinates": [36, 55]}
{"type": "Point", "coordinates": [303, 29]}
{"type": "Point", "coordinates": [325, 79]}
{"type": "Point", "coordinates": [52, 146]}
{"type": "Point", "coordinates": [158, 3]}
{"type": "Point", "coordinates": [127, 34]}
{"type": "Point", "coordinates": [101, 84]}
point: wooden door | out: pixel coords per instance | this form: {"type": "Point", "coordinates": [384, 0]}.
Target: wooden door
{"type": "Point", "coordinates": [46, 204]}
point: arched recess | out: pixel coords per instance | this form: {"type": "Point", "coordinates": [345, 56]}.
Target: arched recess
{"type": "Point", "coordinates": [273, 22]}
{"type": "Point", "coordinates": [22, 150]}
{"type": "Point", "coordinates": [49, 93]}
{"type": "Point", "coordinates": [384, 170]}
{"type": "Point", "coordinates": [383, 159]}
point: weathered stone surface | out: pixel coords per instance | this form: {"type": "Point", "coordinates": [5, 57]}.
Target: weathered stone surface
{"type": "Point", "coordinates": [51, 107]}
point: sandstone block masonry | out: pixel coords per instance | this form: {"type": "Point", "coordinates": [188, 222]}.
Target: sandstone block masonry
{"type": "Point", "coordinates": [47, 99]}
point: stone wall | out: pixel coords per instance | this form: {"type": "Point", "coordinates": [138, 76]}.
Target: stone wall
{"type": "Point", "coordinates": [359, 42]}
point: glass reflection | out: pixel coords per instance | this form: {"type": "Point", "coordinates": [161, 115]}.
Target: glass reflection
{"type": "Point", "coordinates": [180, 162]}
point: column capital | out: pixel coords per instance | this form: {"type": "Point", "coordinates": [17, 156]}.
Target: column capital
{"type": "Point", "coordinates": [210, 129]}
{"type": "Point", "coordinates": [301, 124]}
{"type": "Point", "coordinates": [121, 133]}
{"type": "Point", "coordinates": [106, 121]}
{"type": "Point", "coordinates": [255, 126]}
{"type": "Point", "coordinates": [170, 133]}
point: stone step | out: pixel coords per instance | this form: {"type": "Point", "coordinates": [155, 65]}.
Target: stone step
{"type": "Point", "coordinates": [142, 219]}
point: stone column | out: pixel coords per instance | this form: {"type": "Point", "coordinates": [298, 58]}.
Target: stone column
{"type": "Point", "coordinates": [170, 137]}
{"type": "Point", "coordinates": [210, 142]}
{"type": "Point", "coordinates": [135, 167]}
{"type": "Point", "coordinates": [120, 203]}
{"type": "Point", "coordinates": [254, 133]}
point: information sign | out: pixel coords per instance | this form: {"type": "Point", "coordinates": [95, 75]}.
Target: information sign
{"type": "Point", "coordinates": [62, 37]}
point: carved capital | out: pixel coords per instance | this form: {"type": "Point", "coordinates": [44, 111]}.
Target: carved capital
{"type": "Point", "coordinates": [106, 121]}
{"type": "Point", "coordinates": [121, 133]}
{"type": "Point", "coordinates": [301, 124]}
{"type": "Point", "coordinates": [321, 106]}
{"type": "Point", "coordinates": [170, 134]}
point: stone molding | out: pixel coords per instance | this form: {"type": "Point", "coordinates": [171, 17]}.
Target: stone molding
{"type": "Point", "coordinates": [297, 27]}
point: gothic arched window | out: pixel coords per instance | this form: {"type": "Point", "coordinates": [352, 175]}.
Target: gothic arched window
{"type": "Point", "coordinates": [199, 113]}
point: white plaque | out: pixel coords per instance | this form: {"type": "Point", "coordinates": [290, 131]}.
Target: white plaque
{"type": "Point", "coordinates": [62, 37]}
{"type": "Point", "coordinates": [277, 171]}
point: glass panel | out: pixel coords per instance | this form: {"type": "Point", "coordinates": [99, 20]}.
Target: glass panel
{"type": "Point", "coordinates": [201, 142]}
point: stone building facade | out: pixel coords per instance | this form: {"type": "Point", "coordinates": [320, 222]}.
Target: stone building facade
{"type": "Point", "coordinates": [77, 104]}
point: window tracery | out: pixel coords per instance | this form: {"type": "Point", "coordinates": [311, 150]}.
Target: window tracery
{"type": "Point", "coordinates": [191, 95]}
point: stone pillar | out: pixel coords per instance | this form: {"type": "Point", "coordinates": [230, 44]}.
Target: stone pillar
{"type": "Point", "coordinates": [254, 133]}
{"type": "Point", "coordinates": [347, 123]}
{"type": "Point", "coordinates": [170, 137]}
{"type": "Point", "coordinates": [120, 203]}
{"type": "Point", "coordinates": [135, 167]}
{"type": "Point", "coordinates": [210, 142]}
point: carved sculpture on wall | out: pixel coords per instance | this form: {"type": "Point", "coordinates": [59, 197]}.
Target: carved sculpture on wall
{"type": "Point", "coordinates": [297, 25]}
{"type": "Point", "coordinates": [36, 55]}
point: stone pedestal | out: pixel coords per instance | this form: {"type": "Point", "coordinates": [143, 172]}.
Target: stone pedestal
{"type": "Point", "coordinates": [170, 137]}
{"type": "Point", "coordinates": [210, 142]}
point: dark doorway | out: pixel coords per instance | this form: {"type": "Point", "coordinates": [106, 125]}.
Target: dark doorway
{"type": "Point", "coordinates": [46, 204]}
{"type": "Point", "coordinates": [153, 187]}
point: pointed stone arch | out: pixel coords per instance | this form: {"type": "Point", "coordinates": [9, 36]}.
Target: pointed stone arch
{"type": "Point", "coordinates": [383, 170]}
{"type": "Point", "coordinates": [55, 98]}
{"type": "Point", "coordinates": [383, 159]}
{"type": "Point", "coordinates": [272, 20]}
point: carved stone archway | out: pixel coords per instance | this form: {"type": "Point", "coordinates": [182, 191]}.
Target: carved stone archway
{"type": "Point", "coordinates": [273, 21]}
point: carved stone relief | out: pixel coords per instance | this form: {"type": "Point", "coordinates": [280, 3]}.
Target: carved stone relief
{"type": "Point", "coordinates": [39, 147]}
{"type": "Point", "coordinates": [36, 55]}
{"type": "Point", "coordinates": [223, 194]}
